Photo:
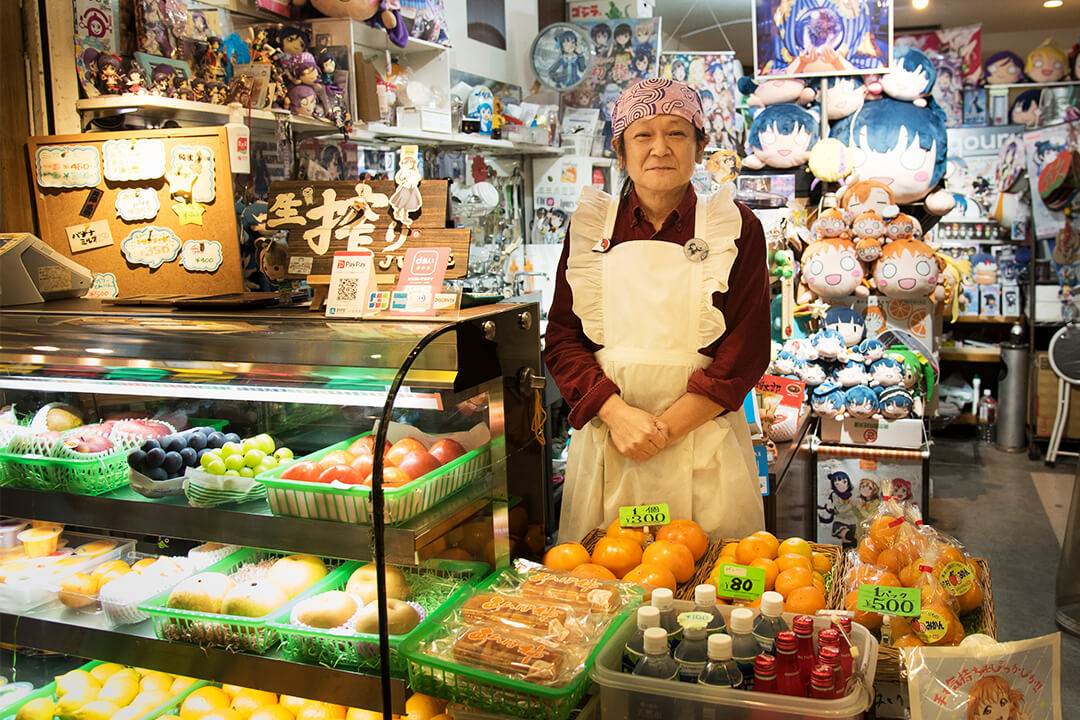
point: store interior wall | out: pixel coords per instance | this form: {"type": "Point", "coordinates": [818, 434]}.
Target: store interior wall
{"type": "Point", "coordinates": [510, 65]}
{"type": "Point", "coordinates": [15, 212]}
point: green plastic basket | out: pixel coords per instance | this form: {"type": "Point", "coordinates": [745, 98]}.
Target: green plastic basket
{"type": "Point", "coordinates": [92, 476]}
{"type": "Point", "coordinates": [432, 588]}
{"type": "Point", "coordinates": [194, 422]}
{"type": "Point", "coordinates": [353, 504]}
{"type": "Point", "coordinates": [171, 706]}
{"type": "Point", "coordinates": [230, 631]}
{"type": "Point", "coordinates": [483, 690]}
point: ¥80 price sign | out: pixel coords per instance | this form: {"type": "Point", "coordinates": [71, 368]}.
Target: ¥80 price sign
{"type": "Point", "coordinates": [889, 600]}
{"type": "Point", "coordinates": [644, 515]}
{"type": "Point", "coordinates": [739, 581]}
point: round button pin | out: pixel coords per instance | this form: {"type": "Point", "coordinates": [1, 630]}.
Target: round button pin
{"type": "Point", "coordinates": [696, 250]}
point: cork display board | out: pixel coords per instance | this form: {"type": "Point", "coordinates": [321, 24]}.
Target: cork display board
{"type": "Point", "coordinates": [327, 217]}
{"type": "Point", "coordinates": [147, 211]}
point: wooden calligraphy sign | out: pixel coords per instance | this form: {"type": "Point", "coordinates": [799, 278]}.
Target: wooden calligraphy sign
{"type": "Point", "coordinates": [327, 217]}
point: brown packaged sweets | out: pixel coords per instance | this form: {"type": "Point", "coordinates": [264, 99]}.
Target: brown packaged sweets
{"type": "Point", "coordinates": [588, 593]}
{"type": "Point", "coordinates": [508, 654]}
{"type": "Point", "coordinates": [516, 612]}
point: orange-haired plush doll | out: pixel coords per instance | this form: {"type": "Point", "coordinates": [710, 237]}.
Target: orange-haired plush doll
{"type": "Point", "coordinates": [908, 268]}
{"type": "Point", "coordinates": [830, 267]}
{"type": "Point", "coordinates": [869, 228]}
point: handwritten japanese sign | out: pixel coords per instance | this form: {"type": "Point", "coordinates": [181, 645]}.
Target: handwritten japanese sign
{"type": "Point", "coordinates": [68, 166]}
{"type": "Point", "coordinates": [104, 286]}
{"type": "Point", "coordinates": [134, 159]}
{"type": "Point", "coordinates": [88, 236]}
{"type": "Point", "coordinates": [192, 171]}
{"type": "Point", "coordinates": [151, 245]}
{"type": "Point", "coordinates": [134, 204]}
{"type": "Point", "coordinates": [201, 255]}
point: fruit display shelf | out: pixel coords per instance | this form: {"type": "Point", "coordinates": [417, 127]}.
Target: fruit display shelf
{"type": "Point", "coordinates": [126, 511]}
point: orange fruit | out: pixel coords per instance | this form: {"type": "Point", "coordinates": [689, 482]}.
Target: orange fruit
{"type": "Point", "coordinates": [863, 575]}
{"type": "Point", "coordinates": [818, 582]}
{"type": "Point", "coordinates": [321, 711]}
{"type": "Point", "coordinates": [752, 547]}
{"type": "Point", "coordinates": [805, 601]}
{"type": "Point", "coordinates": [889, 559]}
{"type": "Point", "coordinates": [675, 557]}
{"type": "Point", "coordinates": [592, 570]}
{"type": "Point", "coordinates": [771, 539]}
{"type": "Point", "coordinates": [635, 534]}
{"type": "Point", "coordinates": [566, 556]}
{"type": "Point", "coordinates": [790, 560]}
{"type": "Point", "coordinates": [908, 641]}
{"type": "Point", "coordinates": [791, 579]}
{"type": "Point", "coordinates": [271, 712]}
{"type": "Point", "coordinates": [221, 714]}
{"type": "Point", "coordinates": [204, 700]}
{"type": "Point", "coordinates": [947, 554]}
{"type": "Point", "coordinates": [821, 562]}
{"type": "Point", "coordinates": [618, 554]}
{"type": "Point", "coordinates": [650, 577]}
{"type": "Point", "coordinates": [899, 626]}
{"type": "Point", "coordinates": [246, 702]}
{"type": "Point", "coordinates": [887, 579]}
{"type": "Point", "coordinates": [796, 545]}
{"type": "Point", "coordinates": [971, 600]}
{"type": "Point", "coordinates": [953, 629]}
{"type": "Point", "coordinates": [771, 571]}
{"type": "Point", "coordinates": [869, 620]}
{"type": "Point", "coordinates": [868, 550]}
{"type": "Point", "coordinates": [729, 550]}
{"type": "Point", "coordinates": [688, 533]}
{"type": "Point", "coordinates": [883, 531]}
{"type": "Point", "coordinates": [910, 575]}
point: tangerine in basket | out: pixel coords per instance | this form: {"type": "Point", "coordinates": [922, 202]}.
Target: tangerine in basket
{"type": "Point", "coordinates": [790, 560]}
{"type": "Point", "coordinates": [971, 600]}
{"type": "Point", "coordinates": [889, 558]}
{"type": "Point", "coordinates": [688, 533]}
{"type": "Point", "coordinates": [675, 557]}
{"type": "Point", "coordinates": [868, 550]}
{"type": "Point", "coordinates": [650, 577]}
{"type": "Point", "coordinates": [752, 547]}
{"type": "Point", "coordinates": [792, 579]}
{"type": "Point", "coordinates": [592, 570]}
{"type": "Point", "coordinates": [618, 554]}
{"type": "Point", "coordinates": [795, 545]}
{"type": "Point", "coordinates": [566, 556]}
{"type": "Point", "coordinates": [729, 550]}
{"type": "Point", "coordinates": [771, 571]}
{"type": "Point", "coordinates": [805, 600]}
{"type": "Point", "coordinates": [869, 620]}
{"type": "Point", "coordinates": [908, 641]}
{"type": "Point", "coordinates": [821, 562]}
{"type": "Point", "coordinates": [635, 534]}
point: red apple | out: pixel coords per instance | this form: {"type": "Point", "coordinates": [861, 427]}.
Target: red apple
{"type": "Point", "coordinates": [88, 442]}
{"type": "Point", "coordinates": [447, 450]}
{"type": "Point", "coordinates": [418, 463]}
{"type": "Point", "coordinates": [392, 477]}
{"type": "Point", "coordinates": [303, 471]}
{"type": "Point", "coordinates": [403, 447]}
{"type": "Point", "coordinates": [363, 446]}
{"type": "Point", "coordinates": [145, 429]}
{"type": "Point", "coordinates": [342, 474]}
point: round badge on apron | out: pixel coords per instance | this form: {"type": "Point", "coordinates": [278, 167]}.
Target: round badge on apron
{"type": "Point", "coordinates": [696, 250]}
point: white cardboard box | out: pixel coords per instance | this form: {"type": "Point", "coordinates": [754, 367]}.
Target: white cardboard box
{"type": "Point", "coordinates": [423, 119]}
{"type": "Point", "coordinates": [906, 433]}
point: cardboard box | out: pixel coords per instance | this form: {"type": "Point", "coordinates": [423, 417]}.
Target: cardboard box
{"type": "Point", "coordinates": [1043, 405]}
{"type": "Point", "coordinates": [424, 119]}
{"type": "Point", "coordinates": [1010, 300]}
{"type": "Point", "coordinates": [906, 433]}
{"type": "Point", "coordinates": [1047, 303]}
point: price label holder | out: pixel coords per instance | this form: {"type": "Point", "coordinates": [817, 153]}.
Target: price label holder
{"type": "Point", "coordinates": [644, 515]}
{"type": "Point", "coordinates": [740, 581]}
{"type": "Point", "coordinates": [902, 601]}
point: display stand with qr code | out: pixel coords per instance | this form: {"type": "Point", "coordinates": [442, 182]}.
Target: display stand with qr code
{"type": "Point", "coordinates": [352, 292]}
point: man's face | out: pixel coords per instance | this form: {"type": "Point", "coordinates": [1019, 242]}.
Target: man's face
{"type": "Point", "coordinates": [660, 152]}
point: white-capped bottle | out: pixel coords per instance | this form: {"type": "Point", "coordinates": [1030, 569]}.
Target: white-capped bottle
{"type": "Point", "coordinates": [692, 652]}
{"type": "Point", "coordinates": [634, 650]}
{"type": "Point", "coordinates": [705, 601]}
{"type": "Point", "coordinates": [239, 140]}
{"type": "Point", "coordinates": [744, 647]}
{"type": "Point", "coordinates": [770, 621]}
{"type": "Point", "coordinates": [664, 601]}
{"type": "Point", "coordinates": [721, 670]}
{"type": "Point", "coordinates": [657, 663]}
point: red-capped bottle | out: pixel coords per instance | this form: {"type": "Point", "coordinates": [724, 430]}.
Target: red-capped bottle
{"type": "Point", "coordinates": [788, 681]}
{"type": "Point", "coordinates": [803, 625]}
{"type": "Point", "coordinates": [844, 635]}
{"type": "Point", "coordinates": [829, 656]}
{"type": "Point", "coordinates": [821, 683]}
{"type": "Point", "coordinates": [765, 673]}
{"type": "Point", "coordinates": [830, 637]}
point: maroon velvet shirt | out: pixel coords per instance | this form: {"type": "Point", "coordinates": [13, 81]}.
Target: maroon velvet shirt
{"type": "Point", "coordinates": [740, 356]}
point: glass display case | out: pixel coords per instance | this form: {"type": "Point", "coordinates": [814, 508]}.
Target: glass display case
{"type": "Point", "coordinates": [313, 385]}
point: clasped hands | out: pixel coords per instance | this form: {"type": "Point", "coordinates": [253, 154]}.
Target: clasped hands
{"type": "Point", "coordinates": [637, 434]}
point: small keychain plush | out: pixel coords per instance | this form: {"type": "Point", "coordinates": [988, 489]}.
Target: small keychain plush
{"type": "Point", "coordinates": [896, 403]}
{"type": "Point", "coordinates": [810, 372]}
{"type": "Point", "coordinates": [860, 402]}
{"type": "Point", "coordinates": [829, 345]}
{"type": "Point", "coordinates": [869, 228]}
{"type": "Point", "coordinates": [827, 400]}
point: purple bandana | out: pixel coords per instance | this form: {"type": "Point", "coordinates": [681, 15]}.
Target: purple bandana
{"type": "Point", "coordinates": [656, 96]}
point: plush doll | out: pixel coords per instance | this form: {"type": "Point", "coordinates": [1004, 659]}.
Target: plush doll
{"type": "Point", "coordinates": [871, 350]}
{"type": "Point", "coordinates": [899, 145]}
{"type": "Point", "coordinates": [858, 197]}
{"type": "Point", "coordinates": [810, 372]}
{"type": "Point", "coordinates": [1003, 68]}
{"type": "Point", "coordinates": [903, 227]}
{"type": "Point", "coordinates": [860, 401]}
{"type": "Point", "coordinates": [849, 323]}
{"type": "Point", "coordinates": [784, 364]}
{"type": "Point", "coordinates": [845, 96]}
{"type": "Point", "coordinates": [1047, 63]}
{"type": "Point", "coordinates": [850, 374]}
{"type": "Point", "coordinates": [830, 267]}
{"type": "Point", "coordinates": [774, 92]}
{"type": "Point", "coordinates": [886, 372]}
{"type": "Point", "coordinates": [984, 269]}
{"type": "Point", "coordinates": [869, 228]}
{"type": "Point", "coordinates": [1025, 109]}
{"type": "Point", "coordinates": [907, 269]}
{"type": "Point", "coordinates": [829, 345]}
{"type": "Point", "coordinates": [911, 76]}
{"type": "Point", "coordinates": [827, 400]}
{"type": "Point", "coordinates": [381, 14]}
{"type": "Point", "coordinates": [954, 275]}
{"type": "Point", "coordinates": [1074, 61]}
{"type": "Point", "coordinates": [896, 403]}
{"type": "Point", "coordinates": [780, 137]}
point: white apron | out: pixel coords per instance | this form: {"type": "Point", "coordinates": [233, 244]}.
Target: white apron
{"type": "Point", "coordinates": [650, 306]}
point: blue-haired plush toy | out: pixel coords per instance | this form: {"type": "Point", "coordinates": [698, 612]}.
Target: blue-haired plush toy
{"type": "Point", "coordinates": [829, 345]}
{"type": "Point", "coordinates": [849, 323]}
{"type": "Point", "coordinates": [897, 141]}
{"type": "Point", "coordinates": [895, 403]}
{"type": "Point", "coordinates": [845, 95]}
{"type": "Point", "coordinates": [850, 374]}
{"type": "Point", "coordinates": [1025, 109]}
{"type": "Point", "coordinates": [827, 400]}
{"type": "Point", "coordinates": [784, 364]}
{"type": "Point", "coordinates": [911, 77]}
{"type": "Point", "coordinates": [810, 372]}
{"type": "Point", "coordinates": [886, 372]}
{"type": "Point", "coordinates": [860, 401]}
{"type": "Point", "coordinates": [780, 137]}
{"type": "Point", "coordinates": [872, 350]}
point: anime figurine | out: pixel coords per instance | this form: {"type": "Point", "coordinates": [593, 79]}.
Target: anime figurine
{"type": "Point", "coordinates": [291, 41]}
{"type": "Point", "coordinates": [849, 323]}
{"type": "Point", "coordinates": [871, 350]}
{"type": "Point", "coordinates": [829, 345]}
{"type": "Point", "coordinates": [136, 81]}
{"type": "Point", "coordinates": [273, 259]}
{"type": "Point", "coordinates": [253, 224]}
{"type": "Point", "coordinates": [216, 92]}
{"type": "Point", "coordinates": [198, 89]}
{"type": "Point", "coordinates": [827, 400]}
{"type": "Point", "coordinates": [810, 372]}
{"type": "Point", "coordinates": [240, 89]}
{"type": "Point", "coordinates": [775, 92]}
{"type": "Point", "coordinates": [911, 76]}
{"type": "Point", "coordinates": [838, 509]}
{"type": "Point", "coordinates": [907, 269]}
{"type": "Point", "coordinates": [109, 68]}
{"type": "Point", "coordinates": [407, 199]}
{"type": "Point", "coordinates": [214, 64]}
{"type": "Point", "coordinates": [784, 364]}
{"type": "Point", "coordinates": [984, 269]}
{"type": "Point", "coordinates": [162, 80]}
{"type": "Point", "coordinates": [780, 137]}
{"type": "Point", "coordinates": [601, 39]}
{"type": "Point", "coordinates": [569, 69]}
{"type": "Point", "coordinates": [1003, 68]}
{"type": "Point", "coordinates": [860, 402]}
{"type": "Point", "coordinates": [896, 403]}
{"type": "Point", "coordinates": [869, 228]}
{"type": "Point", "coordinates": [261, 49]}
{"type": "Point", "coordinates": [844, 96]}
{"type": "Point", "coordinates": [897, 144]}
{"type": "Point", "coordinates": [954, 274]}
{"type": "Point", "coordinates": [1047, 63]}
{"type": "Point", "coordinates": [864, 195]}
{"type": "Point", "coordinates": [303, 100]}
{"type": "Point", "coordinates": [330, 76]}
{"type": "Point", "coordinates": [1025, 109]}
{"type": "Point", "coordinates": [903, 227]}
{"type": "Point", "coordinates": [183, 90]}
{"type": "Point", "coordinates": [886, 372]}
{"type": "Point", "coordinates": [852, 373]}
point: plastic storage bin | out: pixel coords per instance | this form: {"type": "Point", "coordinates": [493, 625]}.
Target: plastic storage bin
{"type": "Point", "coordinates": [629, 697]}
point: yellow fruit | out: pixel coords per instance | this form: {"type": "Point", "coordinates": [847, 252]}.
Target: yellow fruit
{"type": "Point", "coordinates": [108, 567]}
{"type": "Point", "coordinates": [75, 698]}
{"type": "Point", "coordinates": [39, 709]}
{"type": "Point", "coordinates": [796, 545]}
{"type": "Point", "coordinates": [221, 714]}
{"type": "Point", "coordinates": [78, 590]}
{"type": "Point", "coordinates": [156, 681]}
{"type": "Point", "coordinates": [133, 712]}
{"type": "Point", "coordinates": [202, 701]}
{"type": "Point", "coordinates": [822, 562]}
{"type": "Point", "coordinates": [75, 680]}
{"type": "Point", "coordinates": [768, 537]}
{"type": "Point", "coordinates": [141, 565]}
{"type": "Point", "coordinates": [149, 699]}
{"type": "Point", "coordinates": [104, 671]}
{"type": "Point", "coordinates": [293, 703]}
{"type": "Point", "coordinates": [729, 550]}
{"type": "Point", "coordinates": [97, 710]}
{"type": "Point", "coordinates": [120, 689]}
{"type": "Point", "coordinates": [180, 684]}
{"type": "Point", "coordinates": [321, 711]}
{"type": "Point", "coordinates": [423, 707]}
{"type": "Point", "coordinates": [274, 712]}
{"type": "Point", "coordinates": [361, 714]}
{"type": "Point", "coordinates": [233, 690]}
{"type": "Point", "coordinates": [246, 702]}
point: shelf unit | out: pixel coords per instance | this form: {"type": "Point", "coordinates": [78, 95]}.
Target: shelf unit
{"type": "Point", "coordinates": [971, 355]}
{"type": "Point", "coordinates": [985, 320]}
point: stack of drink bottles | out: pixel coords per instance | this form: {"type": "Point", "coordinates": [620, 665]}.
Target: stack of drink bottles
{"type": "Point", "coordinates": [761, 654]}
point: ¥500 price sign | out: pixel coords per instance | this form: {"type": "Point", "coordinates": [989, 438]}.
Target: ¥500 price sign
{"type": "Point", "coordinates": [739, 581]}
{"type": "Point", "coordinates": [644, 515]}
{"type": "Point", "coordinates": [889, 600]}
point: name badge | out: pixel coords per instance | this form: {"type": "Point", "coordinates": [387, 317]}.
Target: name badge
{"type": "Point", "coordinates": [602, 245]}
{"type": "Point", "coordinates": [696, 250]}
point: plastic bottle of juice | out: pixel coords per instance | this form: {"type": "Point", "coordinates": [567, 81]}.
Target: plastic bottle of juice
{"type": "Point", "coordinates": [744, 648]}
{"type": "Point", "coordinates": [765, 673]}
{"type": "Point", "coordinates": [657, 663]}
{"type": "Point", "coordinates": [821, 683]}
{"type": "Point", "coordinates": [830, 657]}
{"type": "Point", "coordinates": [803, 625]}
{"type": "Point", "coordinates": [830, 637]}
{"type": "Point", "coordinates": [692, 652]}
{"type": "Point", "coordinates": [634, 650]}
{"type": "Point", "coordinates": [664, 601]}
{"type": "Point", "coordinates": [721, 670]}
{"type": "Point", "coordinates": [788, 681]}
{"type": "Point", "coordinates": [769, 622]}
{"type": "Point", "coordinates": [705, 601]}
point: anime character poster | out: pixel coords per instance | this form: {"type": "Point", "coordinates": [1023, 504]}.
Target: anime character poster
{"type": "Point", "coordinates": [948, 90]}
{"type": "Point", "coordinates": [977, 157]}
{"type": "Point", "coordinates": [426, 20]}
{"type": "Point", "coordinates": [714, 76]}
{"type": "Point", "coordinates": [849, 490]}
{"type": "Point", "coordinates": [800, 38]}
{"type": "Point", "coordinates": [1018, 680]}
{"type": "Point", "coordinates": [1043, 146]}
{"type": "Point", "coordinates": [625, 51]}
{"type": "Point", "coordinates": [963, 42]}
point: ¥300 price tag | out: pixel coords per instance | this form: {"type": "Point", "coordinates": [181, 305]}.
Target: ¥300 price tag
{"type": "Point", "coordinates": [740, 581]}
{"type": "Point", "coordinates": [642, 515]}
{"type": "Point", "coordinates": [889, 600]}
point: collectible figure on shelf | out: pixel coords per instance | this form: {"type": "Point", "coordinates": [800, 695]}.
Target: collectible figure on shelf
{"type": "Point", "coordinates": [303, 101]}
{"type": "Point", "coordinates": [255, 233]}
{"type": "Point", "coordinates": [183, 90]}
{"type": "Point", "coordinates": [1025, 109]}
{"type": "Point", "coordinates": [886, 372]}
{"type": "Point", "coordinates": [109, 69]}
{"type": "Point", "coordinates": [1047, 63]}
{"type": "Point", "coordinates": [407, 199]}
{"type": "Point", "coordinates": [332, 78]}
{"type": "Point", "coordinates": [839, 510]}
{"type": "Point", "coordinates": [261, 49]}
{"type": "Point", "coordinates": [911, 77]}
{"type": "Point", "coordinates": [907, 269]}
{"type": "Point", "coordinates": [775, 92]}
{"type": "Point", "coordinates": [864, 195]}
{"type": "Point", "coordinates": [829, 345]}
{"type": "Point", "coordinates": [850, 374]}
{"type": "Point", "coordinates": [136, 80]}
{"type": "Point", "coordinates": [869, 228]}
{"type": "Point", "coordinates": [162, 80]}
{"type": "Point", "coordinates": [213, 65]}
{"type": "Point", "coordinates": [844, 96]}
{"type": "Point", "coordinates": [954, 275]}
{"type": "Point", "coordinates": [780, 137]}
{"type": "Point", "coordinates": [810, 372]}
{"type": "Point", "coordinates": [1003, 68]}
{"type": "Point", "coordinates": [273, 259]}
{"type": "Point", "coordinates": [896, 403]}
{"type": "Point", "coordinates": [984, 269]}
{"type": "Point", "coordinates": [827, 400]}
{"type": "Point", "coordinates": [198, 89]}
{"type": "Point", "coordinates": [479, 107]}
{"type": "Point", "coordinates": [860, 402]}
{"type": "Point", "coordinates": [848, 322]}
{"type": "Point", "coordinates": [240, 89]}
{"type": "Point", "coordinates": [216, 92]}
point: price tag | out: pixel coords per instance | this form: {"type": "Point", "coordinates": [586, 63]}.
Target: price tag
{"type": "Point", "coordinates": [642, 515]}
{"type": "Point", "coordinates": [889, 600]}
{"type": "Point", "coordinates": [740, 581]}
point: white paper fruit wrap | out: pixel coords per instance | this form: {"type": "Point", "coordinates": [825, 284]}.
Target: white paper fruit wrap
{"type": "Point", "coordinates": [120, 599]}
